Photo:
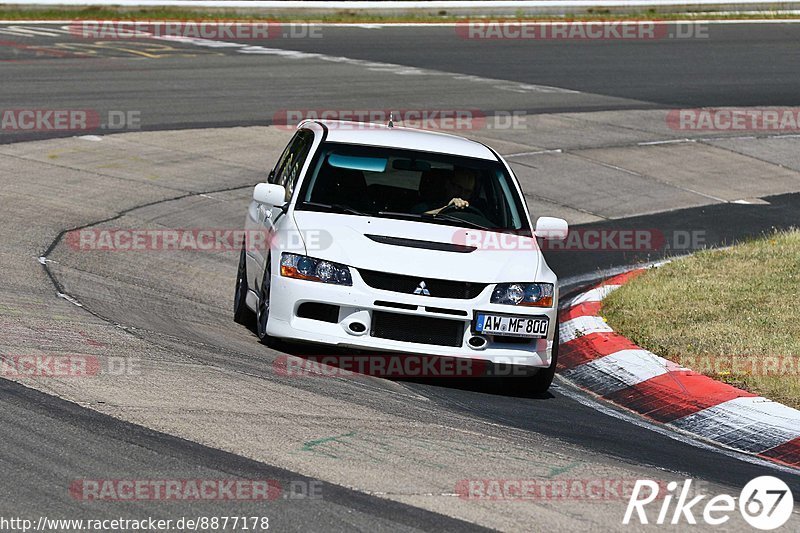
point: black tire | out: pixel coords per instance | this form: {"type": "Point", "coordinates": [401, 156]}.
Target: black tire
{"type": "Point", "coordinates": [539, 383]}
{"type": "Point", "coordinates": [241, 313]}
{"type": "Point", "coordinates": [262, 314]}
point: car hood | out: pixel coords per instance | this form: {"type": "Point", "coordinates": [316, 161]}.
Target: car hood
{"type": "Point", "coordinates": [344, 239]}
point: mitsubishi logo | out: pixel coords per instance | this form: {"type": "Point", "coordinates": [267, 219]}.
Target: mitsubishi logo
{"type": "Point", "coordinates": [422, 289]}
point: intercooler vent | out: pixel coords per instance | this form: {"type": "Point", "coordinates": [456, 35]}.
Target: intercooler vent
{"type": "Point", "coordinates": [417, 329]}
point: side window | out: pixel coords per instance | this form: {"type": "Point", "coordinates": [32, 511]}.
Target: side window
{"type": "Point", "coordinates": [293, 164]}
{"type": "Point", "coordinates": [276, 171]}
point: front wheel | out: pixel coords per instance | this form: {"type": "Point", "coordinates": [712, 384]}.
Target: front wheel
{"type": "Point", "coordinates": [539, 383]}
{"type": "Point", "coordinates": [241, 313]}
{"type": "Point", "coordinates": [542, 380]}
{"type": "Point", "coordinates": [262, 315]}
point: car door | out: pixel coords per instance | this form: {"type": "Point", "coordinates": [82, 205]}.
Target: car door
{"type": "Point", "coordinates": [264, 222]}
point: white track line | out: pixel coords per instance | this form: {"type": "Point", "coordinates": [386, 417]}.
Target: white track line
{"type": "Point", "coordinates": [377, 66]}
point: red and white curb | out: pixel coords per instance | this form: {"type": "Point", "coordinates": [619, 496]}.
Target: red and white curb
{"type": "Point", "coordinates": [607, 364]}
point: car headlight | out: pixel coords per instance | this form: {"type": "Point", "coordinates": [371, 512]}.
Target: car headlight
{"type": "Point", "coordinates": [304, 267]}
{"type": "Point", "coordinates": [527, 294]}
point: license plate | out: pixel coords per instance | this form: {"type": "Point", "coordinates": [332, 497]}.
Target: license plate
{"type": "Point", "coordinates": [514, 326]}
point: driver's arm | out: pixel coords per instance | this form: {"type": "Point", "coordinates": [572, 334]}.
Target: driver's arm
{"type": "Point", "coordinates": [458, 203]}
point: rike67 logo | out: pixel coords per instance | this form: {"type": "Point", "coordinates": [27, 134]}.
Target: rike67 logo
{"type": "Point", "coordinates": [765, 503]}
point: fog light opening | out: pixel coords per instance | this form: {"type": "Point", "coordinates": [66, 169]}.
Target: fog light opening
{"type": "Point", "coordinates": [357, 327]}
{"type": "Point", "coordinates": [477, 342]}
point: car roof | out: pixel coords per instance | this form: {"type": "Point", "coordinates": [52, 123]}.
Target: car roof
{"type": "Point", "coordinates": [372, 134]}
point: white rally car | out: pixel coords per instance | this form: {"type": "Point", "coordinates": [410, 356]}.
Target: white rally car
{"type": "Point", "coordinates": [400, 240]}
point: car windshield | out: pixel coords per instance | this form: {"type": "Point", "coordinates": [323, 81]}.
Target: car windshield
{"type": "Point", "coordinates": [413, 185]}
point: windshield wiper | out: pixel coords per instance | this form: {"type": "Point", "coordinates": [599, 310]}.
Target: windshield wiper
{"type": "Point", "coordinates": [337, 207]}
{"type": "Point", "coordinates": [397, 214]}
{"type": "Point", "coordinates": [456, 219]}
{"type": "Point", "coordinates": [427, 216]}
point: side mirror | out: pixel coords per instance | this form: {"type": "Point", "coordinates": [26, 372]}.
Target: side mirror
{"type": "Point", "coordinates": [551, 228]}
{"type": "Point", "coordinates": [269, 194]}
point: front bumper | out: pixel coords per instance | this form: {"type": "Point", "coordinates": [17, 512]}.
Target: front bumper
{"type": "Point", "coordinates": [365, 305]}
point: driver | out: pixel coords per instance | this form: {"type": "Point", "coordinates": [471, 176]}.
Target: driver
{"type": "Point", "coordinates": [459, 187]}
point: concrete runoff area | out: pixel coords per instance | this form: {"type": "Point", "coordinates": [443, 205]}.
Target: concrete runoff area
{"type": "Point", "coordinates": [200, 377]}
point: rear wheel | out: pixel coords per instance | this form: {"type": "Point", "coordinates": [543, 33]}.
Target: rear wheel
{"type": "Point", "coordinates": [241, 313]}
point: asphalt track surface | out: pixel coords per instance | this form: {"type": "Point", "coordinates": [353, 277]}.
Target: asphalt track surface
{"type": "Point", "coordinates": [188, 88]}
{"type": "Point", "coordinates": [728, 68]}
{"type": "Point", "coordinates": [62, 429]}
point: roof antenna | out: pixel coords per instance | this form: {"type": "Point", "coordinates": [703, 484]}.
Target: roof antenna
{"type": "Point", "coordinates": [391, 120]}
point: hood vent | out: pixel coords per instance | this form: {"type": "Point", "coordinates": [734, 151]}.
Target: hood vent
{"type": "Point", "coordinates": [425, 245]}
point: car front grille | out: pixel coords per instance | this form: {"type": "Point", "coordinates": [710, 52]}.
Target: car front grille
{"type": "Point", "coordinates": [418, 329]}
{"type": "Point", "coordinates": [438, 288]}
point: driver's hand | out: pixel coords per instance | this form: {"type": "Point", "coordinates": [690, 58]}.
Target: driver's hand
{"type": "Point", "coordinates": [458, 203]}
